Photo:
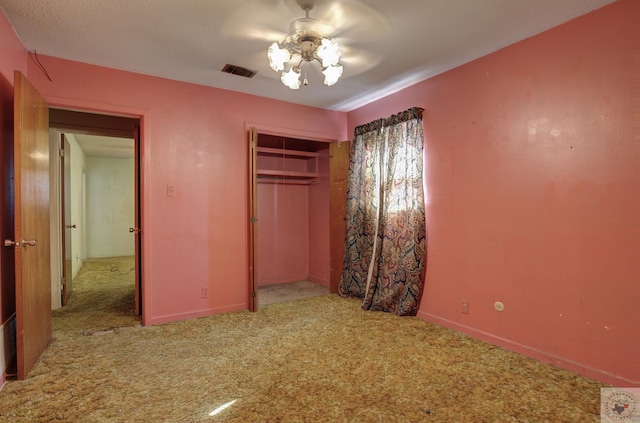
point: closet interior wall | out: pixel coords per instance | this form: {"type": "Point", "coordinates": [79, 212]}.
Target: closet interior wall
{"type": "Point", "coordinates": [293, 211]}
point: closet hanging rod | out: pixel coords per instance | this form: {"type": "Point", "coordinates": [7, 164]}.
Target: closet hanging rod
{"type": "Point", "coordinates": [280, 181]}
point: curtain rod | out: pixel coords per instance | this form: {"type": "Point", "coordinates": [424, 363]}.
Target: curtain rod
{"type": "Point", "coordinates": [412, 113]}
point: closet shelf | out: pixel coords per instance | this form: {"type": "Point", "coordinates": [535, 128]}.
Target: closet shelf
{"type": "Point", "coordinates": [286, 181]}
{"type": "Point", "coordinates": [280, 163]}
{"type": "Point", "coordinates": [287, 173]}
{"type": "Point", "coordinates": [281, 152]}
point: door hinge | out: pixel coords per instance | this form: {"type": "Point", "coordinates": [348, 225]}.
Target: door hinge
{"type": "Point", "coordinates": [253, 219]}
{"type": "Point", "coordinates": [253, 144]}
{"type": "Point", "coordinates": [253, 294]}
{"type": "Point", "coordinates": [61, 152]}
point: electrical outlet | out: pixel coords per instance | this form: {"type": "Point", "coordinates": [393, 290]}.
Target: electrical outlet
{"type": "Point", "coordinates": [465, 307]}
{"type": "Point", "coordinates": [204, 293]}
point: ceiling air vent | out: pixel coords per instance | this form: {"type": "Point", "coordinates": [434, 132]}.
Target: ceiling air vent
{"type": "Point", "coordinates": [238, 70]}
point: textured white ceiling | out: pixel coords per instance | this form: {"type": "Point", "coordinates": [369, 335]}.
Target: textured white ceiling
{"type": "Point", "coordinates": [101, 146]}
{"type": "Point", "coordinates": [388, 45]}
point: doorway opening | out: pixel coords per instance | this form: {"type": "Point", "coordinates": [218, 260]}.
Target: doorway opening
{"type": "Point", "coordinates": [95, 213]}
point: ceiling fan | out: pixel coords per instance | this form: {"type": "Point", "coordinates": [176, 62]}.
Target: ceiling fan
{"type": "Point", "coordinates": [335, 38]}
{"type": "Point", "coordinates": [307, 41]}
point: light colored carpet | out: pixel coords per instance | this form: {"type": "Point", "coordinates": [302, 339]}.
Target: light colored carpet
{"type": "Point", "coordinates": [321, 359]}
{"type": "Point", "coordinates": [102, 297]}
{"type": "Point", "coordinates": [272, 294]}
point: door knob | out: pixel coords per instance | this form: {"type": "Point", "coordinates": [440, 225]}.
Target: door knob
{"type": "Point", "coordinates": [70, 226]}
{"type": "Point", "coordinates": [134, 230]}
{"type": "Point", "coordinates": [25, 242]}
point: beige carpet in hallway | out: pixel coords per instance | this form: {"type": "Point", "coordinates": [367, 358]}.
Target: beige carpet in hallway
{"type": "Point", "coordinates": [102, 297]}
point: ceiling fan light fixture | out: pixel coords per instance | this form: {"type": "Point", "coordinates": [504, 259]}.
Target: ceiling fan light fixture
{"type": "Point", "coordinates": [305, 43]}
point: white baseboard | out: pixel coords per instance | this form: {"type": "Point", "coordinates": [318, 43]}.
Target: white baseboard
{"type": "Point", "coordinates": [7, 345]}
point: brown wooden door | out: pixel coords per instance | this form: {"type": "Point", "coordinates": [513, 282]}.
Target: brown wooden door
{"type": "Point", "coordinates": [338, 175]}
{"type": "Point", "coordinates": [31, 222]}
{"type": "Point", "coordinates": [253, 213]}
{"type": "Point", "coordinates": [67, 225]}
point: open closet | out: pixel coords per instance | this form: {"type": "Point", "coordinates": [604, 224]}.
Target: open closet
{"type": "Point", "coordinates": [290, 218]}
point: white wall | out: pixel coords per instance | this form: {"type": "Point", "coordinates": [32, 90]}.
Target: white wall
{"type": "Point", "coordinates": [110, 206]}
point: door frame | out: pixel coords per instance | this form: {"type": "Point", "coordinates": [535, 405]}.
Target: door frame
{"type": "Point", "coordinates": [65, 223]}
{"type": "Point", "coordinates": [338, 184]}
{"type": "Point", "coordinates": [65, 120]}
{"type": "Point", "coordinates": [252, 131]}
{"type": "Point", "coordinates": [253, 218]}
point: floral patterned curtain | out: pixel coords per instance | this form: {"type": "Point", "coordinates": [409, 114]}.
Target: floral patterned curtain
{"type": "Point", "coordinates": [385, 230]}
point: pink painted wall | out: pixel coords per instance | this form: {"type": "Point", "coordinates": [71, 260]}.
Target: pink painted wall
{"type": "Point", "coordinates": [195, 138]}
{"type": "Point", "coordinates": [532, 172]}
{"type": "Point", "coordinates": [283, 233]}
{"type": "Point", "coordinates": [13, 55]}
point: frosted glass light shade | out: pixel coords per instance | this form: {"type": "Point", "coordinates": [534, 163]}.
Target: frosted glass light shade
{"type": "Point", "coordinates": [278, 57]}
{"type": "Point", "coordinates": [291, 79]}
{"type": "Point", "coordinates": [332, 74]}
{"type": "Point", "coordinates": [329, 52]}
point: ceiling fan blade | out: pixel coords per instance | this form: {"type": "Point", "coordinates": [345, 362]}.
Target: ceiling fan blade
{"type": "Point", "coordinates": [359, 17]}
{"type": "Point", "coordinates": [264, 20]}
